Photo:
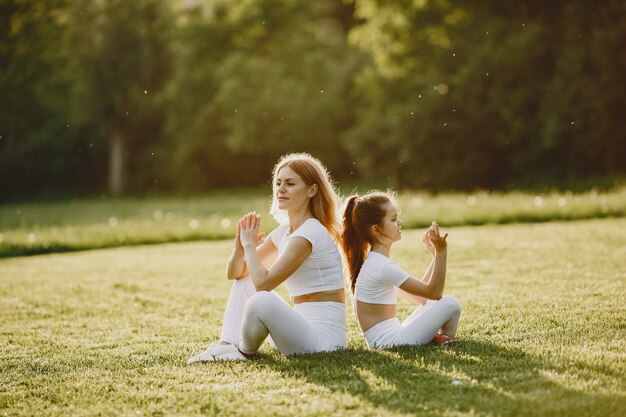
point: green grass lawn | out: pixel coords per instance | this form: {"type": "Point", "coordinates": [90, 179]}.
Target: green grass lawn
{"type": "Point", "coordinates": [34, 228]}
{"type": "Point", "coordinates": [108, 332]}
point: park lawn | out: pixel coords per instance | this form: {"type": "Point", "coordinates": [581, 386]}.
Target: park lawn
{"type": "Point", "coordinates": [108, 332]}
{"type": "Point", "coordinates": [48, 227]}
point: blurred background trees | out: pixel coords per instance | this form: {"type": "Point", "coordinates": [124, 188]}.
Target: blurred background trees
{"type": "Point", "coordinates": [115, 96]}
{"type": "Point", "coordinates": [123, 58]}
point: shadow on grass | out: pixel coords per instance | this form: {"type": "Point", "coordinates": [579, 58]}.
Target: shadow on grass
{"type": "Point", "coordinates": [471, 376]}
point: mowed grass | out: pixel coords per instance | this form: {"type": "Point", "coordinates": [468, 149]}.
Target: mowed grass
{"type": "Point", "coordinates": [34, 228]}
{"type": "Point", "coordinates": [108, 332]}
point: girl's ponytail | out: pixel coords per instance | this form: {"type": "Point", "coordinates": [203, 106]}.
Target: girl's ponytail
{"type": "Point", "coordinates": [354, 246]}
{"type": "Point", "coordinates": [359, 216]}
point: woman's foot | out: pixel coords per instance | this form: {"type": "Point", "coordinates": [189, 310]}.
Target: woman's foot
{"type": "Point", "coordinates": [441, 339]}
{"type": "Point", "coordinates": [218, 352]}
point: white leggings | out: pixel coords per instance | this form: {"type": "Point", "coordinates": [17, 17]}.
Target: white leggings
{"type": "Point", "coordinates": [420, 327]}
{"type": "Point", "coordinates": [251, 316]}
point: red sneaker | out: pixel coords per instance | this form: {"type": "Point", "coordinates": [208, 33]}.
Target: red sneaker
{"type": "Point", "coordinates": [441, 339]}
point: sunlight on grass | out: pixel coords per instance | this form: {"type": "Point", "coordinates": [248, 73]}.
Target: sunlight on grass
{"type": "Point", "coordinates": [108, 332]}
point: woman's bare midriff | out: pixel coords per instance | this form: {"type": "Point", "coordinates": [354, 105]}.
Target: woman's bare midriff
{"type": "Point", "coordinates": [338, 296]}
{"type": "Point", "coordinates": [369, 315]}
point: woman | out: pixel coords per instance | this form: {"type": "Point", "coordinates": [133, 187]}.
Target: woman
{"type": "Point", "coordinates": [370, 227]}
{"type": "Point", "coordinates": [302, 254]}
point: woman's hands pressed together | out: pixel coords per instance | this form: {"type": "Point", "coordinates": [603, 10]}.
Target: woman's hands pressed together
{"type": "Point", "coordinates": [248, 231]}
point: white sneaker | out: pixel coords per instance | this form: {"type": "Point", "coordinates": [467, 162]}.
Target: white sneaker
{"type": "Point", "coordinates": [217, 352]}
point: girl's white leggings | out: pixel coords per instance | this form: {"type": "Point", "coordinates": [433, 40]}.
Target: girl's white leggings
{"type": "Point", "coordinates": [420, 327]}
{"type": "Point", "coordinates": [251, 316]}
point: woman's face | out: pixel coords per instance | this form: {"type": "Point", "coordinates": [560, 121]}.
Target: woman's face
{"type": "Point", "coordinates": [390, 226]}
{"type": "Point", "coordinates": [291, 191]}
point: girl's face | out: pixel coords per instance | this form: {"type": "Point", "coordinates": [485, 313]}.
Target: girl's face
{"type": "Point", "coordinates": [291, 191]}
{"type": "Point", "coordinates": [390, 227]}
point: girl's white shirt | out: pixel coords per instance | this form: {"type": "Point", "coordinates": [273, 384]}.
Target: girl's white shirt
{"type": "Point", "coordinates": [379, 279]}
{"type": "Point", "coordinates": [321, 270]}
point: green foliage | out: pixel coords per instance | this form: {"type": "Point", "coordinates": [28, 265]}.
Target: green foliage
{"type": "Point", "coordinates": [483, 94]}
{"type": "Point", "coordinates": [191, 96]}
{"type": "Point", "coordinates": [259, 79]}
{"type": "Point", "coordinates": [108, 333]}
{"type": "Point", "coordinates": [123, 59]}
{"type": "Point", "coordinates": [41, 149]}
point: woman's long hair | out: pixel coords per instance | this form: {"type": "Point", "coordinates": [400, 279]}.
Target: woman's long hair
{"type": "Point", "coordinates": [324, 204]}
{"type": "Point", "coordinates": [360, 214]}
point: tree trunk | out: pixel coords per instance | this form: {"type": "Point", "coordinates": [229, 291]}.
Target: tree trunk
{"type": "Point", "coordinates": [116, 163]}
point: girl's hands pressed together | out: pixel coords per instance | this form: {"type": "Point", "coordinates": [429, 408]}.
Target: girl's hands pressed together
{"type": "Point", "coordinates": [426, 240]}
{"type": "Point", "coordinates": [436, 239]}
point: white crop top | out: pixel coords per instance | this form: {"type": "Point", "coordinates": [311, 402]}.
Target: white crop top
{"type": "Point", "coordinates": [321, 270]}
{"type": "Point", "coordinates": [378, 280]}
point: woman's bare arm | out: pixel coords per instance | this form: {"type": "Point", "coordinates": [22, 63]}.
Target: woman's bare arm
{"type": "Point", "coordinates": [266, 279]}
{"type": "Point", "coordinates": [236, 267]}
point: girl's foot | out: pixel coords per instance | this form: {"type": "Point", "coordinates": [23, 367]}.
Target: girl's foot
{"type": "Point", "coordinates": [441, 339]}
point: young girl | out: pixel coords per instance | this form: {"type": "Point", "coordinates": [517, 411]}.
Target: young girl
{"type": "Point", "coordinates": [370, 226]}
{"type": "Point", "coordinates": [302, 254]}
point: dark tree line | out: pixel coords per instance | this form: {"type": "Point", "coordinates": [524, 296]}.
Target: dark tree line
{"type": "Point", "coordinates": [150, 95]}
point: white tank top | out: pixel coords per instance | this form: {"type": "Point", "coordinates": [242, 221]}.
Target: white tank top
{"type": "Point", "coordinates": [321, 270]}
{"type": "Point", "coordinates": [379, 279]}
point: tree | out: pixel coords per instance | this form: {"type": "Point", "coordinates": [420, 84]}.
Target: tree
{"type": "Point", "coordinates": [490, 94]}
{"type": "Point", "coordinates": [41, 148]}
{"type": "Point", "coordinates": [122, 48]}
{"type": "Point", "coordinates": [257, 79]}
